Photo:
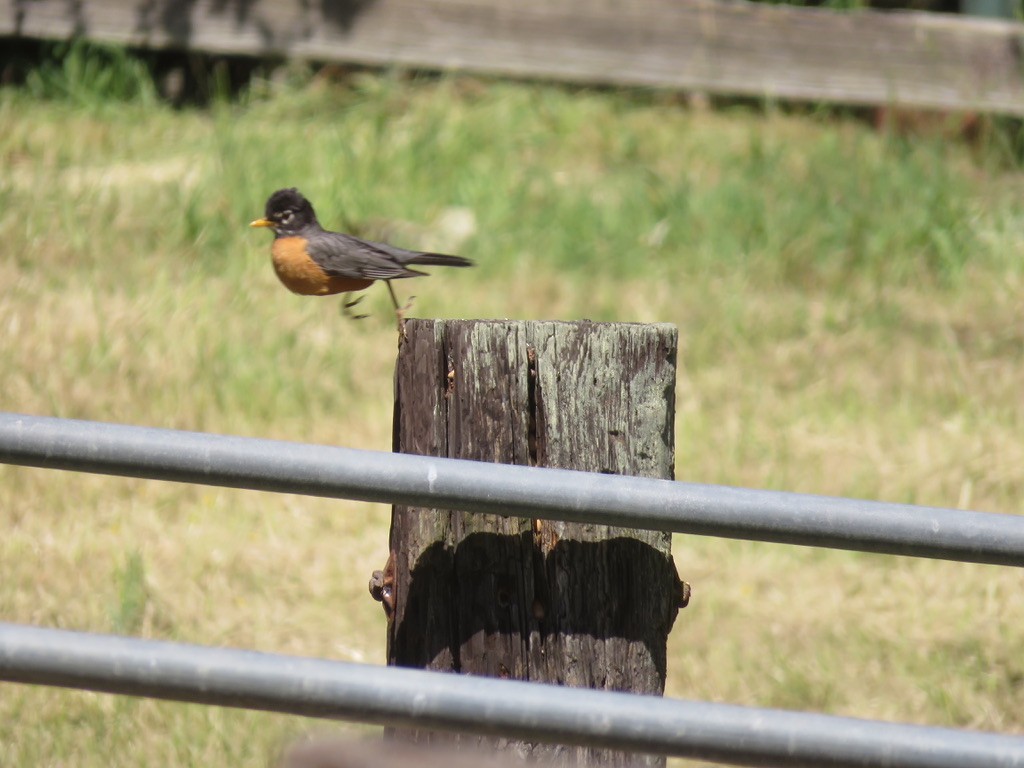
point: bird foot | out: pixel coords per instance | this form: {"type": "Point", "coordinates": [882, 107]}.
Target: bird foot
{"type": "Point", "coordinates": [346, 307]}
{"type": "Point", "coordinates": [400, 315]}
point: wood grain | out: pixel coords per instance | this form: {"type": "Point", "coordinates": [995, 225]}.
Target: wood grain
{"type": "Point", "coordinates": [866, 57]}
{"type": "Point", "coordinates": [582, 605]}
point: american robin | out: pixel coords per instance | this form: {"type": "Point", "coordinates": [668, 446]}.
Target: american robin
{"type": "Point", "coordinates": [312, 261]}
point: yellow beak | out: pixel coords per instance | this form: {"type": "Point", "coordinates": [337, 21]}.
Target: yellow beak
{"type": "Point", "coordinates": [261, 223]}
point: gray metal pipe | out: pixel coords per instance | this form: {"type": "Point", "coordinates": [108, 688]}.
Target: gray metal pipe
{"type": "Point", "coordinates": [531, 711]}
{"type": "Point", "coordinates": [471, 486]}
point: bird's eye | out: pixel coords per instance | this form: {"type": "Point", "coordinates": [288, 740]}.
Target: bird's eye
{"type": "Point", "coordinates": [286, 217]}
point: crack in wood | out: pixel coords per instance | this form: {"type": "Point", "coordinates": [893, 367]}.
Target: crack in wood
{"type": "Point", "coordinates": [531, 404]}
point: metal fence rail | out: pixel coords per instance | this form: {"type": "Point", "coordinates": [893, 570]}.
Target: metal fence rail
{"type": "Point", "coordinates": [271, 465]}
{"type": "Point", "coordinates": [538, 712]}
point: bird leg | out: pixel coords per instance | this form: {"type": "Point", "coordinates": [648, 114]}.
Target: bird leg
{"type": "Point", "coordinates": [399, 311]}
{"type": "Point", "coordinates": [347, 305]}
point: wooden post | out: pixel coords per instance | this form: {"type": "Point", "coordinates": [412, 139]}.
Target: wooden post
{"type": "Point", "coordinates": [580, 605]}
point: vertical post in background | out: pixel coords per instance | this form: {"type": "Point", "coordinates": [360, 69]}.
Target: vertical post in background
{"type": "Point", "coordinates": [579, 605]}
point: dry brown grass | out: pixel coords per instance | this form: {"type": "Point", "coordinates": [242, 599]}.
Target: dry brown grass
{"type": "Point", "coordinates": [135, 294]}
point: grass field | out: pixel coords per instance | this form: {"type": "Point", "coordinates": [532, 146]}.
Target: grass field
{"type": "Point", "coordinates": [850, 310]}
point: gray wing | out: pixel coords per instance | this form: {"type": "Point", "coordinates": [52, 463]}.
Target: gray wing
{"type": "Point", "coordinates": [343, 255]}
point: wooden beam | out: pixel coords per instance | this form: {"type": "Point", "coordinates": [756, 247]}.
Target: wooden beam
{"type": "Point", "coordinates": [909, 59]}
{"type": "Point", "coordinates": [581, 605]}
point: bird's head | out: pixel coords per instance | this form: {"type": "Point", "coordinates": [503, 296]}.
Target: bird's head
{"type": "Point", "coordinates": [287, 213]}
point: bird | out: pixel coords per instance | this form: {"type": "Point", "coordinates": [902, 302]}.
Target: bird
{"type": "Point", "coordinates": [312, 261]}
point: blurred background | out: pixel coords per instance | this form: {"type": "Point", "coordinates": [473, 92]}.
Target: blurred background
{"type": "Point", "coordinates": [838, 239]}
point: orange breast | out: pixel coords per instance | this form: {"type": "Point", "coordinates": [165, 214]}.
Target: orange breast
{"type": "Point", "coordinates": [300, 274]}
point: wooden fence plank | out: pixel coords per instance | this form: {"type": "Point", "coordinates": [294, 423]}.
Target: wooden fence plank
{"type": "Point", "coordinates": [864, 57]}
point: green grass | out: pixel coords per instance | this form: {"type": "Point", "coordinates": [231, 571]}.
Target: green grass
{"type": "Point", "coordinates": [849, 306]}
{"type": "Point", "coordinates": [91, 76]}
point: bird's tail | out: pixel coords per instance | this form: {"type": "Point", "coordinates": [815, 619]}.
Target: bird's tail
{"type": "Point", "coordinates": [439, 259]}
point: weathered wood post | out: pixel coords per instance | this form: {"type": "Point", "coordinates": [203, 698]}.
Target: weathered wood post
{"type": "Point", "coordinates": [580, 605]}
